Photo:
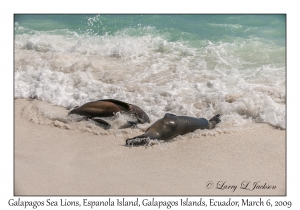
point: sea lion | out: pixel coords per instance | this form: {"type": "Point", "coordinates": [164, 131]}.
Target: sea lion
{"type": "Point", "coordinates": [108, 108]}
{"type": "Point", "coordinates": [170, 126]}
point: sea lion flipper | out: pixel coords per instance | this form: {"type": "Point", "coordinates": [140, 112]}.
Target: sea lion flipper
{"type": "Point", "coordinates": [213, 121]}
{"type": "Point", "coordinates": [132, 123]}
{"type": "Point", "coordinates": [102, 122]}
{"type": "Point", "coordinates": [216, 119]}
{"type": "Point", "coordinates": [137, 141]}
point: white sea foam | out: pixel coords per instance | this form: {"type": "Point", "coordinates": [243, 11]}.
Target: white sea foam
{"type": "Point", "coordinates": [67, 70]}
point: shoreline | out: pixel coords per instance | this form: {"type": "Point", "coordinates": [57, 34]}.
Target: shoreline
{"type": "Point", "coordinates": [51, 159]}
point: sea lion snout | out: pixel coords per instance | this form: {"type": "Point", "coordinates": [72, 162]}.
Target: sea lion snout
{"type": "Point", "coordinates": [72, 111]}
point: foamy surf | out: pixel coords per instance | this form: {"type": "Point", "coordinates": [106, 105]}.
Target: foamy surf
{"type": "Point", "coordinates": [243, 79]}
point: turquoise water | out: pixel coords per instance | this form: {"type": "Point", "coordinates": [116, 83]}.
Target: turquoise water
{"type": "Point", "coordinates": [196, 65]}
{"type": "Point", "coordinates": [190, 28]}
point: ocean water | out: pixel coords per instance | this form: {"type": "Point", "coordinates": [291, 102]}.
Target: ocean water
{"type": "Point", "coordinates": [195, 65]}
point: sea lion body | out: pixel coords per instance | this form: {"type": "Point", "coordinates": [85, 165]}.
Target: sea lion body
{"type": "Point", "coordinates": [171, 125]}
{"type": "Point", "coordinates": [97, 109]}
{"type": "Point", "coordinates": [108, 108]}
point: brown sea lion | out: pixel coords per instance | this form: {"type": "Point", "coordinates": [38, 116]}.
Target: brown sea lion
{"type": "Point", "coordinates": [170, 126]}
{"type": "Point", "coordinates": [108, 108]}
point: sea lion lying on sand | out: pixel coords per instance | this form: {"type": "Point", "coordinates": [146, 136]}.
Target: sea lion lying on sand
{"type": "Point", "coordinates": [170, 126]}
{"type": "Point", "coordinates": [108, 108]}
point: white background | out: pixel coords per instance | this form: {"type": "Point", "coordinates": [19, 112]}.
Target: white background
{"type": "Point", "coordinates": [9, 8]}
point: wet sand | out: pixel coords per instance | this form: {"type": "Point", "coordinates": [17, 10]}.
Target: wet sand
{"type": "Point", "coordinates": [55, 160]}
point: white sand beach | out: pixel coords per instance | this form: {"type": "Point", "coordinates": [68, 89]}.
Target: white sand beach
{"type": "Point", "coordinates": [52, 159]}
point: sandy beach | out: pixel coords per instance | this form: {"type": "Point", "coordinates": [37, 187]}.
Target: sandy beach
{"type": "Point", "coordinates": [52, 159]}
